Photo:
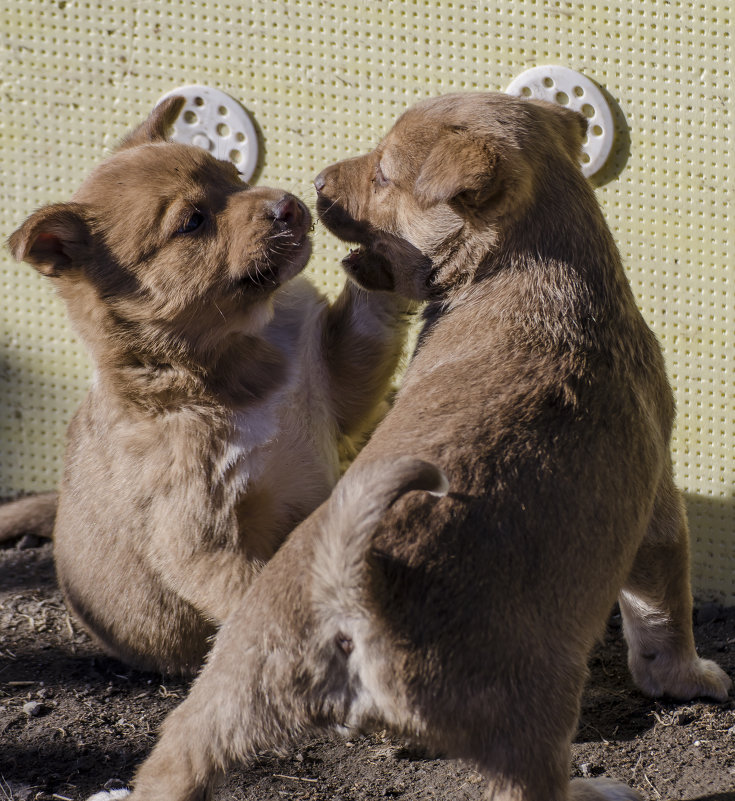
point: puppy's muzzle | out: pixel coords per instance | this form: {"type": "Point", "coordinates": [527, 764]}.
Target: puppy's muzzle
{"type": "Point", "coordinates": [320, 181]}
{"type": "Point", "coordinates": [334, 215]}
{"type": "Point", "coordinates": [290, 214]}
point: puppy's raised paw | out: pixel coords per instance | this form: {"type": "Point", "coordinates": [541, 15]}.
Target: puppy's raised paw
{"type": "Point", "coordinates": [601, 790]}
{"type": "Point", "coordinates": [109, 795]}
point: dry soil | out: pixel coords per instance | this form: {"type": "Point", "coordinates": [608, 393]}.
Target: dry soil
{"type": "Point", "coordinates": [73, 721]}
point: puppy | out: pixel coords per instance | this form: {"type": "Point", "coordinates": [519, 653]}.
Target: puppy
{"type": "Point", "coordinates": [466, 620]}
{"type": "Point", "coordinates": [223, 388]}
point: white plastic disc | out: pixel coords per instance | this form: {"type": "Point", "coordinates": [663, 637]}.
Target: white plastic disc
{"type": "Point", "coordinates": [573, 90]}
{"type": "Point", "coordinates": [213, 120]}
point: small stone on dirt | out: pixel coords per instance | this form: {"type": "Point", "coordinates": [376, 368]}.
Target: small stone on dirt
{"type": "Point", "coordinates": [33, 709]}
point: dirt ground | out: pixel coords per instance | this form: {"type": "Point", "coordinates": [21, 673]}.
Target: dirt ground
{"type": "Point", "coordinates": [73, 721]}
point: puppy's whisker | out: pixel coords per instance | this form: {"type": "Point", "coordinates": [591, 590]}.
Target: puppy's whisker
{"type": "Point", "coordinates": [334, 203]}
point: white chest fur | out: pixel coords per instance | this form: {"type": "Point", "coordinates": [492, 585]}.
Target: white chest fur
{"type": "Point", "coordinates": [291, 434]}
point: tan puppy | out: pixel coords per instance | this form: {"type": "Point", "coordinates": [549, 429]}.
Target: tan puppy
{"type": "Point", "coordinates": [222, 390]}
{"type": "Point", "coordinates": [537, 387]}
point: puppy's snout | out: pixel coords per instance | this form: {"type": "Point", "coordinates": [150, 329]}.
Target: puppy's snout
{"type": "Point", "coordinates": [336, 178]}
{"type": "Point", "coordinates": [287, 211]}
{"type": "Point", "coordinates": [290, 212]}
{"type": "Point", "coordinates": [325, 182]}
{"type": "Point", "coordinates": [320, 181]}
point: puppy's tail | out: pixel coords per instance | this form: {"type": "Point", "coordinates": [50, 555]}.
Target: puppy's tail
{"type": "Point", "coordinates": [356, 506]}
{"type": "Point", "coordinates": [35, 514]}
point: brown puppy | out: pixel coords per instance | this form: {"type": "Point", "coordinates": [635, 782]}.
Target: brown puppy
{"type": "Point", "coordinates": [539, 390]}
{"type": "Point", "coordinates": [223, 388]}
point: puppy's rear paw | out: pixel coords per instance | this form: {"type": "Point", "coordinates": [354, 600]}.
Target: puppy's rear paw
{"type": "Point", "coordinates": [694, 678]}
{"type": "Point", "coordinates": [109, 795]}
{"type": "Point", "coordinates": [601, 790]}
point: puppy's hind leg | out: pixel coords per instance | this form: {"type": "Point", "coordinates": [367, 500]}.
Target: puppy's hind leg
{"type": "Point", "coordinates": [656, 607]}
{"type": "Point", "coordinates": [244, 702]}
{"type": "Point", "coordinates": [531, 762]}
{"type": "Point", "coordinates": [277, 668]}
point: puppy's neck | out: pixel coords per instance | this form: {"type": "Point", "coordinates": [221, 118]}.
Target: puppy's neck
{"type": "Point", "coordinates": [154, 366]}
{"type": "Point", "coordinates": [562, 225]}
{"type": "Point", "coordinates": [554, 274]}
{"type": "Point", "coordinates": [244, 372]}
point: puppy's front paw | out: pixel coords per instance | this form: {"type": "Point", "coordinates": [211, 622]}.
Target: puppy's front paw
{"type": "Point", "coordinates": [693, 678]}
{"type": "Point", "coordinates": [601, 790]}
{"type": "Point", "coordinates": [109, 795]}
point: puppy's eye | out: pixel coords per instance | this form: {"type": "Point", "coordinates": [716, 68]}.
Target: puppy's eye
{"type": "Point", "coordinates": [380, 179]}
{"type": "Point", "coordinates": [192, 222]}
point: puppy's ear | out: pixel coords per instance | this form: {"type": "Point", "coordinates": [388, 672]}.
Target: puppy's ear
{"type": "Point", "coordinates": [460, 167]}
{"type": "Point", "coordinates": [157, 126]}
{"type": "Point", "coordinates": [53, 239]}
{"type": "Point", "coordinates": [572, 125]}
{"type": "Point", "coordinates": [574, 130]}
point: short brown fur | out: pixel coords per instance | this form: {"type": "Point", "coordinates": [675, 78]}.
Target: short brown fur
{"type": "Point", "coordinates": [224, 387]}
{"type": "Point", "coordinates": [537, 388]}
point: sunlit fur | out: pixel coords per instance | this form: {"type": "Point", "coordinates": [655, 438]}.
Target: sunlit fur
{"type": "Point", "coordinates": [466, 620]}
{"type": "Point", "coordinates": [224, 388]}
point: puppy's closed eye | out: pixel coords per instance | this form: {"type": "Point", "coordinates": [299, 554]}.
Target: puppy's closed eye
{"type": "Point", "coordinates": [379, 179]}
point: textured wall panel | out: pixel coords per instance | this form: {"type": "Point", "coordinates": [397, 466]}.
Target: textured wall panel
{"type": "Point", "coordinates": [323, 80]}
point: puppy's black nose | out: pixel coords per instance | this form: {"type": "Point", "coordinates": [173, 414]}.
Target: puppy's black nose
{"type": "Point", "coordinates": [319, 182]}
{"type": "Point", "coordinates": [288, 210]}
